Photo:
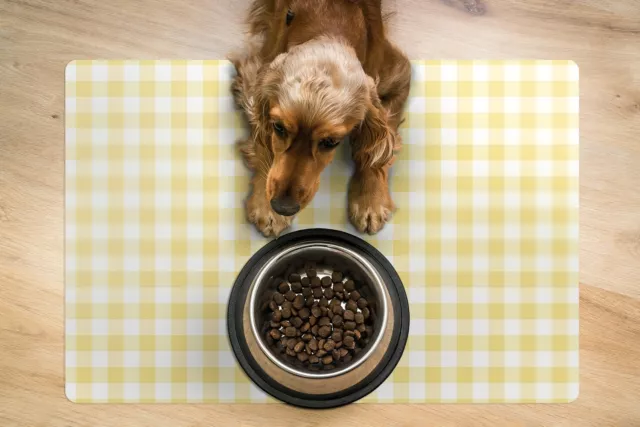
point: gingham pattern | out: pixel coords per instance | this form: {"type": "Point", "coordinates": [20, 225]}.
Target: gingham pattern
{"type": "Point", "coordinates": [485, 238]}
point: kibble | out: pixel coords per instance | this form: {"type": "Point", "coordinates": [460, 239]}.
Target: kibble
{"type": "Point", "coordinates": [283, 287]}
{"type": "Point", "coordinates": [349, 285]}
{"type": "Point", "coordinates": [278, 298]}
{"type": "Point", "coordinates": [326, 281]}
{"type": "Point", "coordinates": [319, 320]}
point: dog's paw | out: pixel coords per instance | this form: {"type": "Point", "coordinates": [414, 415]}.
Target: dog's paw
{"type": "Point", "coordinates": [369, 213]}
{"type": "Point", "coordinates": [265, 220]}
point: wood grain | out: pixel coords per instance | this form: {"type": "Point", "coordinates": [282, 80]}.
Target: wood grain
{"type": "Point", "coordinates": [37, 39]}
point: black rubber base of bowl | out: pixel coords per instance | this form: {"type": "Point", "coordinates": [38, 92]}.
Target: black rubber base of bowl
{"type": "Point", "coordinates": [353, 393]}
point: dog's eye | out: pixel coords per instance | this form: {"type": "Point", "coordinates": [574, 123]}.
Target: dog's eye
{"type": "Point", "coordinates": [290, 16]}
{"type": "Point", "coordinates": [279, 128]}
{"type": "Point", "coordinates": [328, 143]}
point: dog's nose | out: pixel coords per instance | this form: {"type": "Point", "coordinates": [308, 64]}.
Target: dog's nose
{"type": "Point", "coordinates": [285, 206]}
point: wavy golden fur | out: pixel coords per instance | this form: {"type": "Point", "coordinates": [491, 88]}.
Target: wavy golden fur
{"type": "Point", "coordinates": [315, 72]}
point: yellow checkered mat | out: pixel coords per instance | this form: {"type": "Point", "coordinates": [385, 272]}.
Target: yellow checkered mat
{"type": "Point", "coordinates": [485, 237]}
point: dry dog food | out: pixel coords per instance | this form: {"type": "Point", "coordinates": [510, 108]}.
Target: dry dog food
{"type": "Point", "coordinates": [319, 320]}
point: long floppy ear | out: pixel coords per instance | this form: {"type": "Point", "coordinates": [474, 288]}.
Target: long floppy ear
{"type": "Point", "coordinates": [257, 107]}
{"type": "Point", "coordinates": [374, 141]}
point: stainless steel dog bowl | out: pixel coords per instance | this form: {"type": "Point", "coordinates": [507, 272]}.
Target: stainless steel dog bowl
{"type": "Point", "coordinates": [327, 256]}
{"type": "Point", "coordinates": [289, 381]}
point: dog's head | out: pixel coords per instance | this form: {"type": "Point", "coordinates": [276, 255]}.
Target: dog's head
{"type": "Point", "coordinates": [306, 102]}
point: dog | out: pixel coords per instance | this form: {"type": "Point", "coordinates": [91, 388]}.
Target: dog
{"type": "Point", "coordinates": [316, 72]}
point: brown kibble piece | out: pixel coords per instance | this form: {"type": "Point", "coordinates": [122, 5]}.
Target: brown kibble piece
{"type": "Point", "coordinates": [310, 301]}
{"type": "Point", "coordinates": [361, 327]}
{"type": "Point", "coordinates": [314, 329]}
{"type": "Point", "coordinates": [349, 285]}
{"type": "Point", "coordinates": [315, 310]}
{"type": "Point", "coordinates": [275, 334]}
{"type": "Point", "coordinates": [348, 334]}
{"type": "Point", "coordinates": [311, 272]}
{"type": "Point", "coordinates": [287, 304]}
{"type": "Point", "coordinates": [337, 321]}
{"type": "Point", "coordinates": [286, 313]}
{"type": "Point", "coordinates": [328, 293]}
{"type": "Point", "coordinates": [278, 298]}
{"type": "Point", "coordinates": [290, 331]}
{"type": "Point", "coordinates": [349, 315]}
{"type": "Point", "coordinates": [294, 277]}
{"type": "Point", "coordinates": [313, 320]}
{"type": "Point", "coordinates": [291, 353]}
{"type": "Point", "coordinates": [339, 344]}
{"type": "Point", "coordinates": [362, 303]}
{"type": "Point", "coordinates": [337, 309]}
{"type": "Point", "coordinates": [273, 306]}
{"type": "Point", "coordinates": [349, 326]}
{"type": "Point", "coordinates": [359, 318]}
{"type": "Point", "coordinates": [352, 306]}
{"type": "Point", "coordinates": [366, 313]}
{"type": "Point", "coordinates": [296, 322]}
{"type": "Point", "coordinates": [307, 292]}
{"type": "Point", "coordinates": [305, 327]}
{"type": "Point", "coordinates": [285, 323]}
{"type": "Point", "coordinates": [321, 343]}
{"type": "Point", "coordinates": [355, 295]}
{"type": "Point", "coordinates": [336, 277]}
{"type": "Point", "coordinates": [324, 310]}
{"type": "Point", "coordinates": [321, 353]}
{"type": "Point", "coordinates": [290, 296]}
{"type": "Point", "coordinates": [340, 296]}
{"type": "Point", "coordinates": [315, 282]}
{"type": "Point", "coordinates": [349, 342]}
{"type": "Point", "coordinates": [338, 287]}
{"type": "Point", "coordinates": [276, 316]}
{"type": "Point", "coordinates": [324, 331]}
{"type": "Point", "coordinates": [329, 345]}
{"type": "Point", "coordinates": [324, 302]}
{"type": "Point", "coordinates": [317, 293]}
{"type": "Point", "coordinates": [305, 282]}
{"type": "Point", "coordinates": [298, 302]}
{"type": "Point", "coordinates": [304, 313]}
{"type": "Point", "coordinates": [324, 321]}
{"type": "Point", "coordinates": [307, 337]}
{"type": "Point", "coordinates": [335, 354]}
{"type": "Point", "coordinates": [291, 344]}
{"type": "Point", "coordinates": [327, 359]}
{"type": "Point", "coordinates": [325, 281]}
{"type": "Point", "coordinates": [296, 286]}
{"type": "Point", "coordinates": [313, 359]}
{"type": "Point", "coordinates": [313, 344]}
{"type": "Point", "coordinates": [357, 334]}
{"type": "Point", "coordinates": [343, 352]}
{"type": "Point", "coordinates": [299, 347]}
{"type": "Point", "coordinates": [283, 287]}
{"type": "Point", "coordinates": [336, 336]}
{"type": "Point", "coordinates": [302, 356]}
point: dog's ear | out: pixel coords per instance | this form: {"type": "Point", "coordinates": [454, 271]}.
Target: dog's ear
{"type": "Point", "coordinates": [374, 141]}
{"type": "Point", "coordinates": [265, 90]}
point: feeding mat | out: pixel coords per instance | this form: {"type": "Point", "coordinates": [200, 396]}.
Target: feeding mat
{"type": "Point", "coordinates": [485, 239]}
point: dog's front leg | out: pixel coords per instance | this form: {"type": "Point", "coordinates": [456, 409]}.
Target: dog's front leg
{"type": "Point", "coordinates": [370, 203]}
{"type": "Point", "coordinates": [259, 210]}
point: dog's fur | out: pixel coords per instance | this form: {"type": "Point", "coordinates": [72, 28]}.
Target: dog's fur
{"type": "Point", "coordinates": [330, 73]}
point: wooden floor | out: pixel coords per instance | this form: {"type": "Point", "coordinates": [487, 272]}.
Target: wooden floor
{"type": "Point", "coordinates": [37, 39]}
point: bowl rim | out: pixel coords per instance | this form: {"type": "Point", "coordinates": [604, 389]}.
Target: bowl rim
{"type": "Point", "coordinates": [289, 249]}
